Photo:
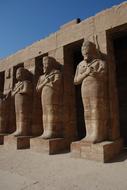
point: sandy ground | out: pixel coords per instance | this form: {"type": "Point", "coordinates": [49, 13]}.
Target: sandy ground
{"type": "Point", "coordinates": [28, 170]}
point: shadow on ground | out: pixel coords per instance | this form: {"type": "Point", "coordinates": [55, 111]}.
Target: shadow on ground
{"type": "Point", "coordinates": [121, 157]}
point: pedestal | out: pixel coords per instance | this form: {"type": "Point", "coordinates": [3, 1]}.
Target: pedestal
{"type": "Point", "coordinates": [104, 151]}
{"type": "Point", "coordinates": [17, 142]}
{"type": "Point", "coordinates": [50, 146]}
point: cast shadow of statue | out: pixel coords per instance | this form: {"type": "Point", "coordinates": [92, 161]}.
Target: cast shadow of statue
{"type": "Point", "coordinates": [38, 107]}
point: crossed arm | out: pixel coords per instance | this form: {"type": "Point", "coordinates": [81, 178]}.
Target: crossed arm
{"type": "Point", "coordinates": [51, 81]}
{"type": "Point", "coordinates": [24, 88]}
{"type": "Point", "coordinates": [80, 75]}
{"type": "Point", "coordinates": [94, 70]}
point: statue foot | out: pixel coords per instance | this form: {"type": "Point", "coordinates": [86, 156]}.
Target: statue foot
{"type": "Point", "coordinates": [18, 133]}
{"type": "Point", "coordinates": [47, 135]}
{"type": "Point", "coordinates": [92, 139]}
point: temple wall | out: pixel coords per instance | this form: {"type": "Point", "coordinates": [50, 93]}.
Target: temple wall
{"type": "Point", "coordinates": [56, 45]}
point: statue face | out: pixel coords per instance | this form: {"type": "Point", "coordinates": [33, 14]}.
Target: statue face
{"type": "Point", "coordinates": [86, 53]}
{"type": "Point", "coordinates": [46, 65]}
{"type": "Point", "coordinates": [19, 75]}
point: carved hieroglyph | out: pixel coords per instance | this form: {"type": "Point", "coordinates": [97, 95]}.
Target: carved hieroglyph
{"type": "Point", "coordinates": [22, 93]}
{"type": "Point", "coordinates": [91, 74]}
{"type": "Point", "coordinates": [50, 86]}
{"type": "Point", "coordinates": [4, 112]}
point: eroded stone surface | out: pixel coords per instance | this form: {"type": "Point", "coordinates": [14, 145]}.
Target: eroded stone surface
{"type": "Point", "coordinates": [22, 93]}
{"type": "Point", "coordinates": [51, 88]}
{"type": "Point", "coordinates": [91, 74]}
{"type": "Point", "coordinates": [57, 111]}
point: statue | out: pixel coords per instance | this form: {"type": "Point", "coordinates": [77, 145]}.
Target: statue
{"type": "Point", "coordinates": [92, 75]}
{"type": "Point", "coordinates": [22, 93]}
{"type": "Point", "coordinates": [4, 112]}
{"type": "Point", "coordinates": [50, 87]}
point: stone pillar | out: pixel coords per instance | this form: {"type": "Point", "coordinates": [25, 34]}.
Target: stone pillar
{"type": "Point", "coordinates": [69, 113]}
{"type": "Point", "coordinates": [106, 48]}
{"type": "Point", "coordinates": [69, 98]}
{"type": "Point", "coordinates": [114, 131]}
{"type": "Point", "coordinates": [37, 110]}
{"type": "Point", "coordinates": [8, 85]}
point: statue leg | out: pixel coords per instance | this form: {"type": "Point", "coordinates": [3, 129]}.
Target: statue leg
{"type": "Point", "coordinates": [48, 121]}
{"type": "Point", "coordinates": [53, 122]}
{"type": "Point", "coordinates": [18, 131]}
{"type": "Point", "coordinates": [23, 124]}
{"type": "Point", "coordinates": [91, 120]}
{"type": "Point", "coordinates": [18, 124]}
{"type": "Point", "coordinates": [95, 114]}
{"type": "Point", "coordinates": [44, 121]}
{"type": "Point", "coordinates": [92, 131]}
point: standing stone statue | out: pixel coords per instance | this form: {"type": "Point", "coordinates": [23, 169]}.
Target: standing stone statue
{"type": "Point", "coordinates": [22, 93]}
{"type": "Point", "coordinates": [91, 74]}
{"type": "Point", "coordinates": [4, 112]}
{"type": "Point", "coordinates": [50, 87]}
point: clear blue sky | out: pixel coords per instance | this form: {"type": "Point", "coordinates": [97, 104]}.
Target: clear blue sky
{"type": "Point", "coordinates": [23, 22]}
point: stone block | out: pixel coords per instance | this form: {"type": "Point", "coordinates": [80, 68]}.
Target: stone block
{"type": "Point", "coordinates": [103, 152]}
{"type": "Point", "coordinates": [75, 150]}
{"type": "Point", "coordinates": [17, 142]}
{"type": "Point", "coordinates": [50, 146]}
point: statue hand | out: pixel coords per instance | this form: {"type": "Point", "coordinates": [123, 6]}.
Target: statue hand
{"type": "Point", "coordinates": [42, 78]}
{"type": "Point", "coordinates": [83, 70]}
{"type": "Point", "coordinates": [88, 71]}
{"type": "Point", "coordinates": [8, 94]}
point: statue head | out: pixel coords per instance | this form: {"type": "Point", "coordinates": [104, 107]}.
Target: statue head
{"type": "Point", "coordinates": [22, 74]}
{"type": "Point", "coordinates": [19, 74]}
{"type": "Point", "coordinates": [88, 50]}
{"type": "Point", "coordinates": [47, 64]}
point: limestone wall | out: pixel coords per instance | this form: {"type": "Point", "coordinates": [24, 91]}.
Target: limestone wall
{"type": "Point", "coordinates": [94, 29]}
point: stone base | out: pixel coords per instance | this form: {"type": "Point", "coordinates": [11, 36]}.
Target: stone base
{"type": "Point", "coordinates": [1, 139]}
{"type": "Point", "coordinates": [17, 142]}
{"type": "Point", "coordinates": [104, 151]}
{"type": "Point", "coordinates": [50, 146]}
